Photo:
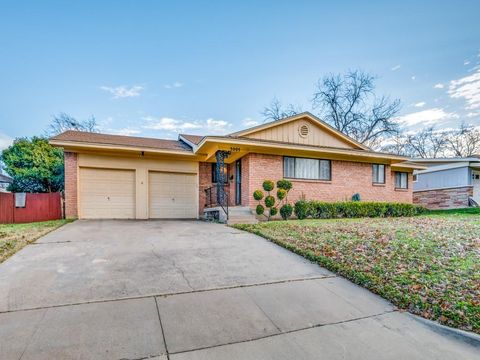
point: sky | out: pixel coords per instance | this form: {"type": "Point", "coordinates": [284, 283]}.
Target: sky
{"type": "Point", "coordinates": [159, 68]}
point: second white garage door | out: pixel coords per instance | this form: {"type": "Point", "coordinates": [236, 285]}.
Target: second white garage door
{"type": "Point", "coordinates": [172, 195]}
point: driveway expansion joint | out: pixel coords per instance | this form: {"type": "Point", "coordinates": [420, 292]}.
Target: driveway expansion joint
{"type": "Point", "coordinates": [170, 294]}
{"type": "Point", "coordinates": [161, 328]}
{"type": "Point", "coordinates": [285, 332]}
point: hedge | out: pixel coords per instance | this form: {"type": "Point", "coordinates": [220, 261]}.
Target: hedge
{"type": "Point", "coordinates": [354, 209]}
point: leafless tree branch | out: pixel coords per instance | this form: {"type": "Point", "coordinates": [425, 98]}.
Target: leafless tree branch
{"type": "Point", "coordinates": [276, 111]}
{"type": "Point", "coordinates": [63, 122]}
{"type": "Point", "coordinates": [349, 104]}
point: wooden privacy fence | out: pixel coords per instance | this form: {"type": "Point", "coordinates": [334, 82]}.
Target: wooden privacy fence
{"type": "Point", "coordinates": [38, 207]}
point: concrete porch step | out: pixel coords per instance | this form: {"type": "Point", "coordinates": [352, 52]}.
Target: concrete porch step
{"type": "Point", "coordinates": [241, 215]}
{"type": "Point", "coordinates": [236, 215]}
{"type": "Point", "coordinates": [240, 210]}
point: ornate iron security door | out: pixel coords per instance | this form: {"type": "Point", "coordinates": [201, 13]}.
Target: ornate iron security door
{"type": "Point", "coordinates": [222, 181]}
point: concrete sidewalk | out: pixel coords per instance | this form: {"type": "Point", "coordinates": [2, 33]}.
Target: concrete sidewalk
{"type": "Point", "coordinates": [193, 290]}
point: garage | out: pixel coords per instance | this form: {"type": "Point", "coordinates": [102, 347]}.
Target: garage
{"type": "Point", "coordinates": [106, 193]}
{"type": "Point", "coordinates": [172, 195]}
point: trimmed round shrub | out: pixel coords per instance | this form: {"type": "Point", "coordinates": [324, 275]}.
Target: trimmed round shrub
{"type": "Point", "coordinates": [301, 209]}
{"type": "Point", "coordinates": [269, 201]}
{"type": "Point", "coordinates": [281, 193]}
{"type": "Point", "coordinates": [286, 211]}
{"type": "Point", "coordinates": [273, 211]}
{"type": "Point", "coordinates": [260, 209]}
{"type": "Point", "coordinates": [258, 195]}
{"type": "Point", "coordinates": [284, 184]}
{"type": "Point", "coordinates": [268, 185]}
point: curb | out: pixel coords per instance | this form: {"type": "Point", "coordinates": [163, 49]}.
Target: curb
{"type": "Point", "coordinates": [465, 336]}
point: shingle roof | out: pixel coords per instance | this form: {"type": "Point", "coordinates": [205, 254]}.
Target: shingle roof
{"type": "Point", "coordinates": [194, 139]}
{"type": "Point", "coordinates": [106, 139]}
{"type": "Point", "coordinates": [5, 179]}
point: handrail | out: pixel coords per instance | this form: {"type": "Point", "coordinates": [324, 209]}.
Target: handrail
{"type": "Point", "coordinates": [213, 198]}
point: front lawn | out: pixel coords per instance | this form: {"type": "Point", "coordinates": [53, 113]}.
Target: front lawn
{"type": "Point", "coordinates": [13, 237]}
{"type": "Point", "coordinates": [428, 265]}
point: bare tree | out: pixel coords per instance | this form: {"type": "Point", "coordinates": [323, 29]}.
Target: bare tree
{"type": "Point", "coordinates": [426, 143]}
{"type": "Point", "coordinates": [349, 104]}
{"type": "Point", "coordinates": [276, 111]}
{"type": "Point", "coordinates": [464, 142]}
{"type": "Point", "coordinates": [397, 144]}
{"type": "Point", "coordinates": [63, 122]}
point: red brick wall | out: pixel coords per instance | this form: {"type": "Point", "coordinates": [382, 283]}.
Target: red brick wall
{"type": "Point", "coordinates": [205, 181]}
{"type": "Point", "coordinates": [452, 198]}
{"type": "Point", "coordinates": [348, 178]}
{"type": "Point", "coordinates": [70, 185]}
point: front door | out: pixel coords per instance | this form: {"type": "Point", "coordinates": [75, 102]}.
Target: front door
{"type": "Point", "coordinates": [238, 182]}
{"type": "Point", "coordinates": [476, 185]}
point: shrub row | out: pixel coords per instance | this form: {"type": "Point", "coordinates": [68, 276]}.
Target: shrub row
{"type": "Point", "coordinates": [354, 209]}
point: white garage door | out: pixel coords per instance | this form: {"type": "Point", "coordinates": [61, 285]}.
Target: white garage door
{"type": "Point", "coordinates": [172, 195]}
{"type": "Point", "coordinates": [107, 194]}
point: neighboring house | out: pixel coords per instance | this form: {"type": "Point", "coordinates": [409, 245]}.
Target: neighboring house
{"type": "Point", "coordinates": [447, 183]}
{"type": "Point", "coordinates": [111, 176]}
{"type": "Point", "coordinates": [5, 180]}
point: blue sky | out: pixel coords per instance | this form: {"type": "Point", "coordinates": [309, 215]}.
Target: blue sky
{"type": "Point", "coordinates": [153, 68]}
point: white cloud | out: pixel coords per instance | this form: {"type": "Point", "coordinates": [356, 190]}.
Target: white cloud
{"type": "Point", "coordinates": [5, 141]}
{"type": "Point", "coordinates": [413, 77]}
{"type": "Point", "coordinates": [466, 62]}
{"type": "Point", "coordinates": [425, 117]}
{"type": "Point", "coordinates": [420, 104]}
{"type": "Point", "coordinates": [217, 125]}
{"type": "Point", "coordinates": [208, 126]}
{"type": "Point", "coordinates": [169, 124]}
{"type": "Point", "coordinates": [439, 86]}
{"type": "Point", "coordinates": [473, 114]}
{"type": "Point", "coordinates": [123, 91]}
{"type": "Point", "coordinates": [176, 84]}
{"type": "Point", "coordinates": [396, 67]}
{"type": "Point", "coordinates": [125, 131]}
{"type": "Point", "coordinates": [467, 88]}
{"type": "Point", "coordinates": [249, 122]}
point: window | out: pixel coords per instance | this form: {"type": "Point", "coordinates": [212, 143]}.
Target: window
{"type": "Point", "coordinates": [401, 180]}
{"type": "Point", "coordinates": [378, 174]}
{"type": "Point", "coordinates": [302, 168]}
{"type": "Point", "coordinates": [415, 178]}
{"type": "Point", "coordinates": [214, 173]}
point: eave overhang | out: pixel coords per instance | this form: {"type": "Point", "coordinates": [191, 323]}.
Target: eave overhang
{"type": "Point", "coordinates": [77, 146]}
{"type": "Point", "coordinates": [241, 146]}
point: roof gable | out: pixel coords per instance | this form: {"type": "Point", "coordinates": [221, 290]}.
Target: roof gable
{"type": "Point", "coordinates": [303, 128]}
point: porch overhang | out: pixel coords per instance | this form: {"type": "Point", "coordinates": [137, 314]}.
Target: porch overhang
{"type": "Point", "coordinates": [238, 147]}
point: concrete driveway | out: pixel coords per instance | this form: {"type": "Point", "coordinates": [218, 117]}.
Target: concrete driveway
{"type": "Point", "coordinates": [185, 290]}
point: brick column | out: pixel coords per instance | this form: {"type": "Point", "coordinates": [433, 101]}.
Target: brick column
{"type": "Point", "coordinates": [71, 171]}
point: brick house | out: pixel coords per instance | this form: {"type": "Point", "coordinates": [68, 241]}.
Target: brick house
{"type": "Point", "coordinates": [111, 176]}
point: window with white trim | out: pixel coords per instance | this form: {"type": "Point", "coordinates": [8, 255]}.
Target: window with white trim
{"type": "Point", "coordinates": [304, 168]}
{"type": "Point", "coordinates": [378, 173]}
{"type": "Point", "coordinates": [401, 180]}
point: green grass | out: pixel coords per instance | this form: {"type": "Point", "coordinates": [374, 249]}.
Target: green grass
{"type": "Point", "coordinates": [428, 265]}
{"type": "Point", "coordinates": [13, 237]}
{"type": "Point", "coordinates": [456, 212]}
